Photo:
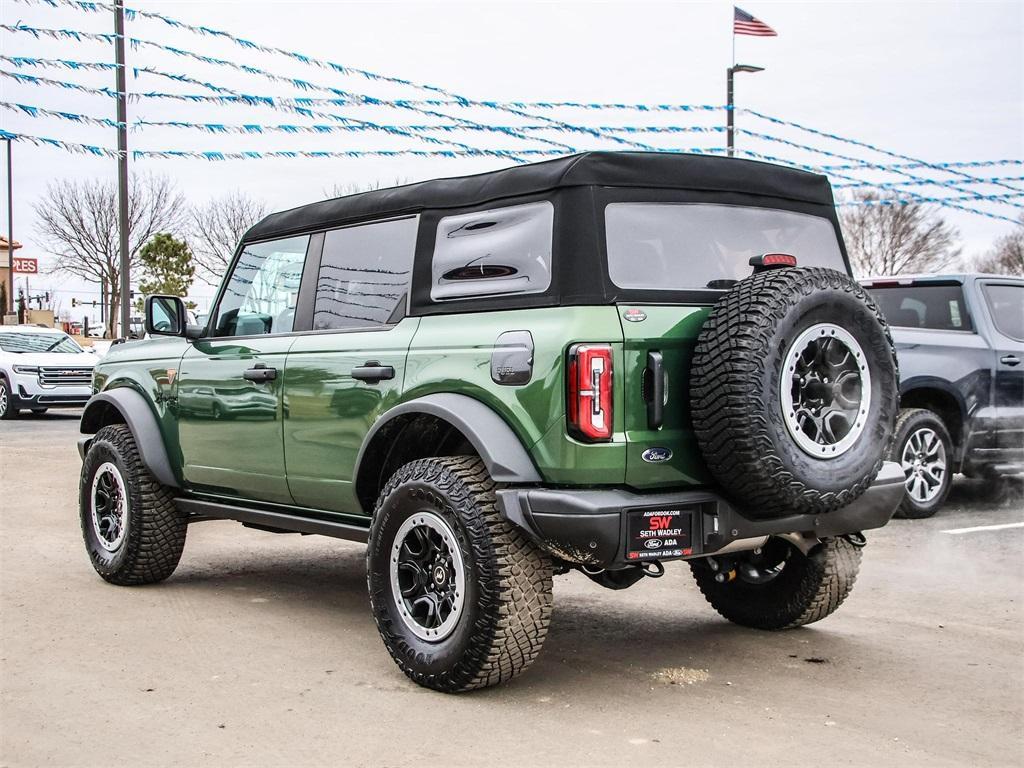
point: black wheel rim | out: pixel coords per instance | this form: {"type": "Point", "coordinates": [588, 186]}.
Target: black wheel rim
{"type": "Point", "coordinates": [109, 506]}
{"type": "Point", "coordinates": [825, 390]}
{"type": "Point", "coordinates": [428, 576]}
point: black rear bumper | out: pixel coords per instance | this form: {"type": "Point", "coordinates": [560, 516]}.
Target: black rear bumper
{"type": "Point", "coordinates": [588, 527]}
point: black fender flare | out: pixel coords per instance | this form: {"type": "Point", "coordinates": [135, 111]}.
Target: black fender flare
{"type": "Point", "coordinates": [140, 419]}
{"type": "Point", "coordinates": [498, 446]}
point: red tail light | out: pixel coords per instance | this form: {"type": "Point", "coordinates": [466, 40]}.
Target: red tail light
{"type": "Point", "coordinates": [589, 404]}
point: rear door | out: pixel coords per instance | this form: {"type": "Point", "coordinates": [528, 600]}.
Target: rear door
{"type": "Point", "coordinates": [229, 383]}
{"type": "Point", "coordinates": [1005, 303]}
{"type": "Point", "coordinates": [350, 368]}
{"type": "Point", "coordinates": [687, 250]}
{"type": "Point", "coordinates": [657, 351]}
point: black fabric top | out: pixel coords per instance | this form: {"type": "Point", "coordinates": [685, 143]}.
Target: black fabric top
{"type": "Point", "coordinates": [656, 170]}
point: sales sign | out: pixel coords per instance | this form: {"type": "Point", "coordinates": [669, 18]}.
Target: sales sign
{"type": "Point", "coordinates": [24, 265]}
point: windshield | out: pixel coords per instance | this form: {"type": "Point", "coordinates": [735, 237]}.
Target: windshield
{"type": "Point", "coordinates": [38, 342]}
{"type": "Point", "coordinates": [673, 246]}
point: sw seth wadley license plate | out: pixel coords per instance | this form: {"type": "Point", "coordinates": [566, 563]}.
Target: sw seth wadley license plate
{"type": "Point", "coordinates": [657, 534]}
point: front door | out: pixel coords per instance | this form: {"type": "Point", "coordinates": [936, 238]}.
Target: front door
{"type": "Point", "coordinates": [230, 383]}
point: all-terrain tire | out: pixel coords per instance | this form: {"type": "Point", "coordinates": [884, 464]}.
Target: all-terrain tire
{"type": "Point", "coordinates": [154, 532]}
{"type": "Point", "coordinates": [507, 606]}
{"type": "Point", "coordinates": [909, 422]}
{"type": "Point", "coordinates": [7, 409]}
{"type": "Point", "coordinates": [735, 386]}
{"type": "Point", "coordinates": [808, 588]}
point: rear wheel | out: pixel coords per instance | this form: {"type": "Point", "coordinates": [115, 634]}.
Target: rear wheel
{"type": "Point", "coordinates": [925, 453]}
{"type": "Point", "coordinates": [7, 409]}
{"type": "Point", "coordinates": [461, 598]}
{"type": "Point", "coordinates": [779, 587]}
{"type": "Point", "coordinates": [133, 532]}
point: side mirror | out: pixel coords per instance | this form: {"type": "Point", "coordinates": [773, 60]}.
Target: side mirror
{"type": "Point", "coordinates": [165, 316]}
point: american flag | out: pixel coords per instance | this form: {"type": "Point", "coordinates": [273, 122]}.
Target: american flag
{"type": "Point", "coordinates": [745, 24]}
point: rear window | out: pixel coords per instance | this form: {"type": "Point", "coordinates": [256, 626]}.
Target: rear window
{"type": "Point", "coordinates": [673, 246]}
{"type": "Point", "coordinates": [1007, 305]}
{"type": "Point", "coordinates": [937, 307]}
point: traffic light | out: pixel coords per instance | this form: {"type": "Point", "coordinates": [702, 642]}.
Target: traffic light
{"type": "Point", "coordinates": [74, 302]}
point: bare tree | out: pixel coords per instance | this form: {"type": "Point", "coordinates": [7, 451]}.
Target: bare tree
{"type": "Point", "coordinates": [77, 222]}
{"type": "Point", "coordinates": [888, 236]}
{"type": "Point", "coordinates": [1007, 254]}
{"type": "Point", "coordinates": [344, 190]}
{"type": "Point", "coordinates": [217, 228]}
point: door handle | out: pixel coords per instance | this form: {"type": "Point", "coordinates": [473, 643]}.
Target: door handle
{"type": "Point", "coordinates": [1009, 360]}
{"type": "Point", "coordinates": [260, 372]}
{"type": "Point", "coordinates": [654, 390]}
{"type": "Point", "coordinates": [372, 371]}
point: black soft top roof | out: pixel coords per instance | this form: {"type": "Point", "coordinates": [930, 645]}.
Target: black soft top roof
{"type": "Point", "coordinates": [656, 170]}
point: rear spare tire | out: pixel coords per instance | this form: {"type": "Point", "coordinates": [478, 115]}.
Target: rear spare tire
{"type": "Point", "coordinates": [794, 391]}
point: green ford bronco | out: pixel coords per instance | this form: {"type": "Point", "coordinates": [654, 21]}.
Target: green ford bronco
{"type": "Point", "coordinates": [600, 363]}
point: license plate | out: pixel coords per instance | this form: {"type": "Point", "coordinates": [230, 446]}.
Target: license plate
{"type": "Point", "coordinates": [658, 534]}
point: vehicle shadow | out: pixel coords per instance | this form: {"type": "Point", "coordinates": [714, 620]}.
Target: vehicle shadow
{"type": "Point", "coordinates": [622, 640]}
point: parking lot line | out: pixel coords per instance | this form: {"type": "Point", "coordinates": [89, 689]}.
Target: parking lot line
{"type": "Point", "coordinates": [979, 528]}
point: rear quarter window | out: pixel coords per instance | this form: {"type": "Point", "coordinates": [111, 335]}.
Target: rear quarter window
{"type": "Point", "coordinates": [501, 252]}
{"type": "Point", "coordinates": [936, 307]}
{"type": "Point", "coordinates": [1006, 303]}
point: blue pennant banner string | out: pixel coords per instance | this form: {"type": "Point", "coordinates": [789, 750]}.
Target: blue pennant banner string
{"type": "Point", "coordinates": [304, 85]}
{"type": "Point", "coordinates": [865, 145]}
{"type": "Point", "coordinates": [256, 155]}
{"type": "Point", "coordinates": [953, 183]}
{"type": "Point", "coordinates": [943, 200]}
{"type": "Point", "coordinates": [967, 164]}
{"type": "Point", "coordinates": [910, 197]}
{"type": "Point", "coordinates": [872, 166]}
{"type": "Point", "coordinates": [77, 66]}
{"type": "Point", "coordinates": [300, 84]}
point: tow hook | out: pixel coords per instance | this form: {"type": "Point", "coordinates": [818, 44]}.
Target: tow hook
{"type": "Point", "coordinates": [623, 578]}
{"type": "Point", "coordinates": [857, 539]}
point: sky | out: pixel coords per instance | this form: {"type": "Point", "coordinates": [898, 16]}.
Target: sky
{"type": "Point", "coordinates": [939, 81]}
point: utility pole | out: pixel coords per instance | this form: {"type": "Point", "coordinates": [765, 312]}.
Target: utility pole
{"type": "Point", "coordinates": [122, 164]}
{"type": "Point", "coordinates": [730, 103]}
{"type": "Point", "coordinates": [10, 231]}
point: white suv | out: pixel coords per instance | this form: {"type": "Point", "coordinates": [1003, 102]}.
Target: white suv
{"type": "Point", "coordinates": [42, 368]}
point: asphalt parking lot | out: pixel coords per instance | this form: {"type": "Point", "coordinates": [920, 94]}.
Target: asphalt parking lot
{"type": "Point", "coordinates": [261, 651]}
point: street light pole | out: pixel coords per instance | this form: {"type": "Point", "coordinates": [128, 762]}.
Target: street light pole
{"type": "Point", "coordinates": [122, 167]}
{"type": "Point", "coordinates": [730, 104]}
{"type": "Point", "coordinates": [10, 231]}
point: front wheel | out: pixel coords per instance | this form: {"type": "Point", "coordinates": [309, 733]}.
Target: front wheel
{"type": "Point", "coordinates": [925, 453]}
{"type": "Point", "coordinates": [7, 409]}
{"type": "Point", "coordinates": [133, 532]}
{"type": "Point", "coordinates": [461, 598]}
{"type": "Point", "coordinates": [778, 586]}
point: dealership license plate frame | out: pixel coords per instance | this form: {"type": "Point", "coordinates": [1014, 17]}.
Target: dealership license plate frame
{"type": "Point", "coordinates": [672, 528]}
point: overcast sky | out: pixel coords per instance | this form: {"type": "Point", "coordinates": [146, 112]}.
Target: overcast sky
{"type": "Point", "coordinates": [940, 81]}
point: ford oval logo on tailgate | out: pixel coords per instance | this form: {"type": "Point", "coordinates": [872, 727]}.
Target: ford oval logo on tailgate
{"type": "Point", "coordinates": [656, 455]}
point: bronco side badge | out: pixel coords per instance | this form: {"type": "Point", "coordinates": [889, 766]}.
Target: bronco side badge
{"type": "Point", "coordinates": [656, 455]}
{"type": "Point", "coordinates": [635, 315]}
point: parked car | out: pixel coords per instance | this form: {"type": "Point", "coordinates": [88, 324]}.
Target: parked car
{"type": "Point", "coordinates": [600, 363]}
{"type": "Point", "coordinates": [42, 368]}
{"type": "Point", "coordinates": [960, 344]}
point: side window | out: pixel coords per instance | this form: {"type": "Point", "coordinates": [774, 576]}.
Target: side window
{"type": "Point", "coordinates": [493, 253]}
{"type": "Point", "coordinates": [364, 275]}
{"type": "Point", "coordinates": [1006, 302]}
{"type": "Point", "coordinates": [260, 296]}
{"type": "Point", "coordinates": [937, 307]}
